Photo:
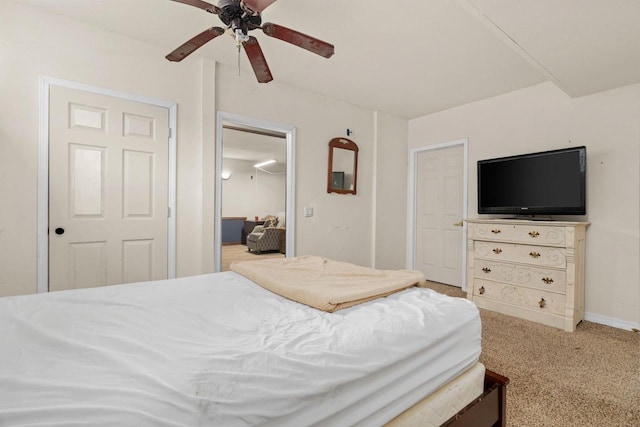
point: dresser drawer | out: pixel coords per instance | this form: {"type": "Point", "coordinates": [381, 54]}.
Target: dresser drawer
{"type": "Point", "coordinates": [535, 277]}
{"type": "Point", "coordinates": [526, 254]}
{"type": "Point", "coordinates": [528, 234]}
{"type": "Point", "coordinates": [533, 299]}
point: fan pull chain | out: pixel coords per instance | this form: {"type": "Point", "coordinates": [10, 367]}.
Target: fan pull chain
{"type": "Point", "coordinates": [240, 38]}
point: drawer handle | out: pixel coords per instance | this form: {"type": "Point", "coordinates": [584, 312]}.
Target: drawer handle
{"type": "Point", "coordinates": [486, 270]}
{"type": "Point", "coordinates": [534, 254]}
{"type": "Point", "coordinates": [547, 280]}
{"type": "Point", "coordinates": [542, 303]}
{"type": "Point", "coordinates": [481, 290]}
{"type": "Point", "coordinates": [497, 251]}
{"type": "Point", "coordinates": [534, 234]}
{"type": "Point", "coordinates": [496, 231]}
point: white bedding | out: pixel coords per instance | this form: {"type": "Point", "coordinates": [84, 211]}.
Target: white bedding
{"type": "Point", "coordinates": [219, 350]}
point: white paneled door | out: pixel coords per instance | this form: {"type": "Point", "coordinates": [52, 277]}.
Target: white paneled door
{"type": "Point", "coordinates": [439, 210]}
{"type": "Point", "coordinates": [108, 188]}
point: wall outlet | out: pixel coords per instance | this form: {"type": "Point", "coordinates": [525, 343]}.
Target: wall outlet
{"type": "Point", "coordinates": [308, 212]}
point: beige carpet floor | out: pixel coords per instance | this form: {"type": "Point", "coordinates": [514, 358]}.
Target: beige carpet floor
{"type": "Point", "coordinates": [231, 253]}
{"type": "Point", "coordinates": [587, 378]}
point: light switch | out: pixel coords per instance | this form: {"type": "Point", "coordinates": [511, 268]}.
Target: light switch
{"type": "Point", "coordinates": [308, 212]}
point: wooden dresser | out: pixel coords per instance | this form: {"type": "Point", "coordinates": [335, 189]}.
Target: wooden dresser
{"type": "Point", "coordinates": [529, 269]}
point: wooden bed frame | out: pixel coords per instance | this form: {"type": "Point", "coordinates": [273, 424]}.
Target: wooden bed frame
{"type": "Point", "coordinates": [488, 410]}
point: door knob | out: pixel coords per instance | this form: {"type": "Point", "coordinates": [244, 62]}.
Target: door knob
{"type": "Point", "coordinates": [458, 224]}
{"type": "Point", "coordinates": [59, 230]}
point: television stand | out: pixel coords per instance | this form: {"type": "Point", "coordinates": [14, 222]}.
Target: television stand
{"type": "Point", "coordinates": [528, 269]}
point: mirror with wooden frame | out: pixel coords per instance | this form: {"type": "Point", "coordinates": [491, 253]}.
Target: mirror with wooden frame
{"type": "Point", "coordinates": [343, 166]}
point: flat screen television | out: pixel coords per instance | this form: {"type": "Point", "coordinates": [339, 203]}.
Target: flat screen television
{"type": "Point", "coordinates": [544, 183]}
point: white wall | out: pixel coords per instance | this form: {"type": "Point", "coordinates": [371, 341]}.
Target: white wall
{"type": "Point", "coordinates": [251, 192]}
{"type": "Point", "coordinates": [542, 118]}
{"type": "Point", "coordinates": [33, 43]}
{"type": "Point", "coordinates": [392, 165]}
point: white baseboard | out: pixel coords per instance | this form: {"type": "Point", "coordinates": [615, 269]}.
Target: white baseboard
{"type": "Point", "coordinates": [610, 321]}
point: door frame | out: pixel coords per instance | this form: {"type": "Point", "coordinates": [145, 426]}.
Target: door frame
{"type": "Point", "coordinates": [44, 84]}
{"type": "Point", "coordinates": [223, 118]}
{"type": "Point", "coordinates": [411, 221]}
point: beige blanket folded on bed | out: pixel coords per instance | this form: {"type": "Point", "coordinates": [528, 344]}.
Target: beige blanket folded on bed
{"type": "Point", "coordinates": [325, 284]}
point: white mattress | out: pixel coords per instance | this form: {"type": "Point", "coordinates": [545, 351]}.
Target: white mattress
{"type": "Point", "coordinates": [219, 350]}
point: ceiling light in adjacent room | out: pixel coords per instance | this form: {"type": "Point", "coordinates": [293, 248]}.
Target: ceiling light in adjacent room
{"type": "Point", "coordinates": [268, 162]}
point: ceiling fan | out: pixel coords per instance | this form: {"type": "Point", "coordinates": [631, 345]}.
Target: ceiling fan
{"type": "Point", "coordinates": [240, 17]}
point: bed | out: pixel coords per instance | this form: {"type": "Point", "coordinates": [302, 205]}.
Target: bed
{"type": "Point", "coordinates": [221, 350]}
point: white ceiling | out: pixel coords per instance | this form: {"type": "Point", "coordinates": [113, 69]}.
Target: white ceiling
{"type": "Point", "coordinates": [255, 147]}
{"type": "Point", "coordinates": [409, 57]}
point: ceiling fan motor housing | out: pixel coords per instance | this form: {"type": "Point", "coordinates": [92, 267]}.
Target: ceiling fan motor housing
{"type": "Point", "coordinates": [235, 16]}
{"type": "Point", "coordinates": [242, 16]}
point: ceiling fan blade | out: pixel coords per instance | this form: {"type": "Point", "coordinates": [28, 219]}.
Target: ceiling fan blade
{"type": "Point", "coordinates": [196, 42]}
{"type": "Point", "coordinates": [201, 5]}
{"type": "Point", "coordinates": [258, 5]}
{"type": "Point", "coordinates": [296, 38]}
{"type": "Point", "coordinates": [257, 60]}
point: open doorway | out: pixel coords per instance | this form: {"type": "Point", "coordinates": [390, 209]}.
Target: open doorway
{"type": "Point", "coordinates": [254, 176]}
{"type": "Point", "coordinates": [251, 193]}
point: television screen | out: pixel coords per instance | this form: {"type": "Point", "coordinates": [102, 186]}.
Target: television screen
{"type": "Point", "coordinates": [545, 183]}
{"type": "Point", "coordinates": [337, 180]}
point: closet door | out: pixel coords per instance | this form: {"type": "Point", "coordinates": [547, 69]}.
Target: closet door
{"type": "Point", "coordinates": [108, 188]}
{"type": "Point", "coordinates": [439, 213]}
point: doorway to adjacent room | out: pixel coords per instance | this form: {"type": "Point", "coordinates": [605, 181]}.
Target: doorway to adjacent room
{"type": "Point", "coordinates": [264, 139]}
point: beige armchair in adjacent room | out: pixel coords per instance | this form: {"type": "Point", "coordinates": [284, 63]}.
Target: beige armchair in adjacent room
{"type": "Point", "coordinates": [264, 237]}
